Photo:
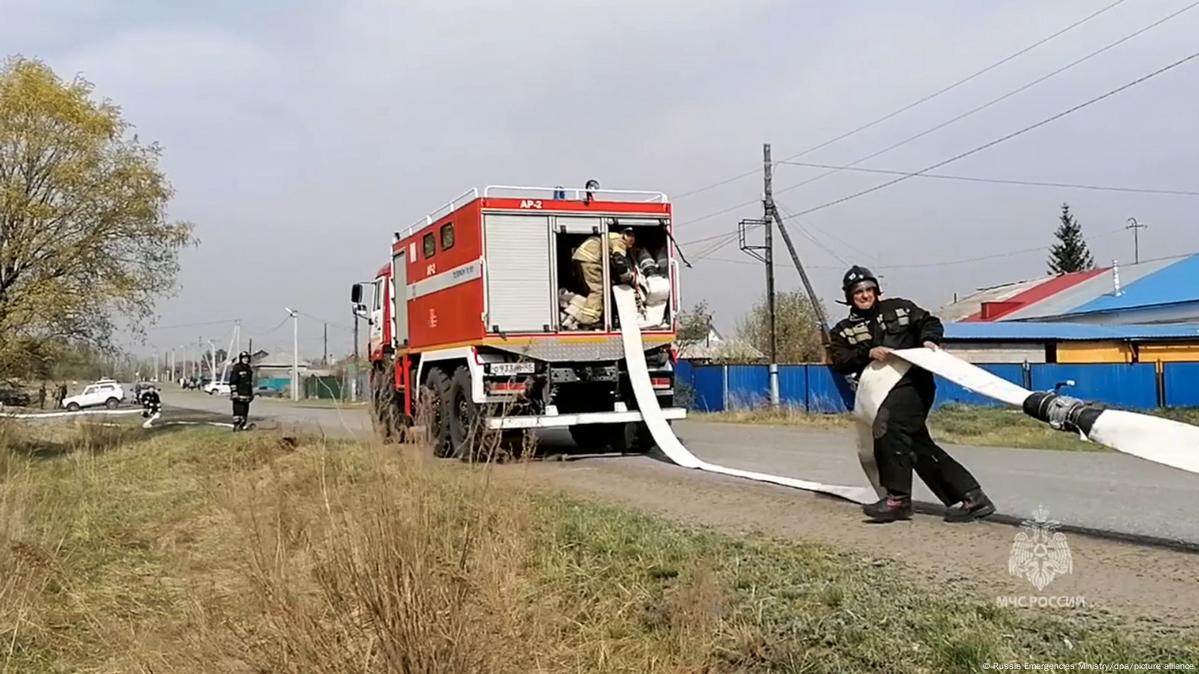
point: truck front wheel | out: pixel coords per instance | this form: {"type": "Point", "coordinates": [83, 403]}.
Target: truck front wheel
{"type": "Point", "coordinates": [433, 405]}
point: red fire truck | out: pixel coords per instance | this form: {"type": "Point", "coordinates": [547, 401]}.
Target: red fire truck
{"type": "Point", "coordinates": [468, 322]}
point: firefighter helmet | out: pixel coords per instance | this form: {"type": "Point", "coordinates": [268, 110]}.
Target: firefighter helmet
{"type": "Point", "coordinates": [856, 278]}
{"type": "Point", "coordinates": [244, 355]}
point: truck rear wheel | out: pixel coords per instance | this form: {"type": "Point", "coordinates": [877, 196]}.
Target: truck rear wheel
{"type": "Point", "coordinates": [470, 438]}
{"type": "Point", "coordinates": [589, 436]}
{"type": "Point", "coordinates": [630, 438]}
{"type": "Point", "coordinates": [434, 408]}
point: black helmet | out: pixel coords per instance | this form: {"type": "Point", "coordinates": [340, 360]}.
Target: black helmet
{"type": "Point", "coordinates": [244, 355]}
{"type": "Point", "coordinates": [857, 278]}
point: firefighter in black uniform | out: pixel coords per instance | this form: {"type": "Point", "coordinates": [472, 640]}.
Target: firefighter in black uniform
{"type": "Point", "coordinates": [873, 329]}
{"type": "Point", "coordinates": [241, 390]}
{"type": "Point", "coordinates": [151, 402]}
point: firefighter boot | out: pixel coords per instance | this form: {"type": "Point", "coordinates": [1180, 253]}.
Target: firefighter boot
{"type": "Point", "coordinates": [889, 509]}
{"type": "Point", "coordinates": [974, 506]}
{"type": "Point", "coordinates": [238, 423]}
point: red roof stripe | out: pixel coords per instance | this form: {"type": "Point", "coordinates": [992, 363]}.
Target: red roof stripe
{"type": "Point", "coordinates": [1037, 293]}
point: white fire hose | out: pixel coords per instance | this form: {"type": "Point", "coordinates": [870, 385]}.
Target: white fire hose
{"type": "Point", "coordinates": [1152, 438]}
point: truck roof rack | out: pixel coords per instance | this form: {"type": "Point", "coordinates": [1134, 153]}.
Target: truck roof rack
{"type": "Point", "coordinates": [519, 191]}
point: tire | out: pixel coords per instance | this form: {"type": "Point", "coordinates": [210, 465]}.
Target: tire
{"type": "Point", "coordinates": [624, 438]}
{"type": "Point", "coordinates": [73, 407]}
{"type": "Point", "coordinates": [435, 393]}
{"type": "Point", "coordinates": [382, 395]}
{"type": "Point", "coordinates": [589, 436]}
{"type": "Point", "coordinates": [470, 440]}
{"type": "Point", "coordinates": [112, 403]}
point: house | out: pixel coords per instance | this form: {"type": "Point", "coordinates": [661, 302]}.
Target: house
{"type": "Point", "coordinates": [1157, 291]}
{"type": "Point", "coordinates": [274, 370]}
{"type": "Point", "coordinates": [1147, 312]}
{"type": "Point", "coordinates": [715, 347]}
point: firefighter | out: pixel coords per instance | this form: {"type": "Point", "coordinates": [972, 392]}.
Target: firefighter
{"type": "Point", "coordinates": [241, 390]}
{"type": "Point", "coordinates": [902, 442]}
{"type": "Point", "coordinates": [588, 259]}
{"type": "Point", "coordinates": [151, 402]}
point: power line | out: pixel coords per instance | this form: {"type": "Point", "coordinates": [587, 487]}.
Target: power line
{"type": "Point", "coordinates": [914, 104]}
{"type": "Point", "coordinates": [993, 101]}
{"type": "Point", "coordinates": [1000, 181]}
{"type": "Point", "coordinates": [803, 231]}
{"type": "Point", "coordinates": [994, 256]}
{"type": "Point", "coordinates": [1002, 139]}
{"type": "Point", "coordinates": [194, 325]}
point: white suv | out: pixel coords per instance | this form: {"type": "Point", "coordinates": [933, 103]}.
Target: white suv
{"type": "Point", "coordinates": [103, 393]}
{"type": "Point", "coordinates": [221, 387]}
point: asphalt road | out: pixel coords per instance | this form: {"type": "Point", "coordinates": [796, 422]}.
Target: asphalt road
{"type": "Point", "coordinates": [1107, 492]}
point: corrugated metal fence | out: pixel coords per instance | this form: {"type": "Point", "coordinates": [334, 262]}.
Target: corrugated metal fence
{"type": "Point", "coordinates": [817, 388]}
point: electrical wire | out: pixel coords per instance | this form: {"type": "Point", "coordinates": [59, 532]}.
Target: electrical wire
{"type": "Point", "coordinates": [1002, 139]}
{"type": "Point", "coordinates": [990, 103]}
{"type": "Point", "coordinates": [916, 103]}
{"type": "Point", "coordinates": [1002, 181]}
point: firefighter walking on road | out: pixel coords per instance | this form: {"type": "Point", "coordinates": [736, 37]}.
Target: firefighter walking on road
{"type": "Point", "coordinates": [588, 259]}
{"type": "Point", "coordinates": [873, 329]}
{"type": "Point", "coordinates": [241, 390]}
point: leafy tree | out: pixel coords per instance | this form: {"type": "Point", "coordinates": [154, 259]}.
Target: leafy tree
{"type": "Point", "coordinates": [84, 232]}
{"type": "Point", "coordinates": [695, 325]}
{"type": "Point", "coordinates": [1070, 253]}
{"type": "Point", "coordinates": [796, 328]}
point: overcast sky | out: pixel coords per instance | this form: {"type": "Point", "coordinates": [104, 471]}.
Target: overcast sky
{"type": "Point", "coordinates": [299, 135]}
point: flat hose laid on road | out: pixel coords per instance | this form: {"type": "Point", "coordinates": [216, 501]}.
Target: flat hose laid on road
{"type": "Point", "coordinates": [664, 437]}
{"type": "Point", "coordinates": [1151, 438]}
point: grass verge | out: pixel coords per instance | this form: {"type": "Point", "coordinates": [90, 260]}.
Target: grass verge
{"type": "Point", "coordinates": [206, 551]}
{"type": "Point", "coordinates": [954, 424]}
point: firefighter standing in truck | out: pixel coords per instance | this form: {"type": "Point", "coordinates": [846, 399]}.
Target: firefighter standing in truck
{"type": "Point", "coordinates": [588, 259]}
{"type": "Point", "coordinates": [902, 442]}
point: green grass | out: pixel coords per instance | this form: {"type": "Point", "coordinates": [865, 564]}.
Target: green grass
{"type": "Point", "coordinates": [207, 551]}
{"type": "Point", "coordinates": [954, 424]}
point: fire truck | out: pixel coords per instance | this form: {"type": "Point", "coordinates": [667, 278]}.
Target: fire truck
{"type": "Point", "coordinates": [470, 320]}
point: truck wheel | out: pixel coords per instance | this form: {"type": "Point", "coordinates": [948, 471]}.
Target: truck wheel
{"type": "Point", "coordinates": [626, 438]}
{"type": "Point", "coordinates": [388, 420]}
{"type": "Point", "coordinates": [590, 436]}
{"type": "Point", "coordinates": [435, 394]}
{"type": "Point", "coordinates": [469, 437]}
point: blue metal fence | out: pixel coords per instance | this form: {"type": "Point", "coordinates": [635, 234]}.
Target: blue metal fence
{"type": "Point", "coordinates": [1119, 385]}
{"type": "Point", "coordinates": [1182, 384]}
{"type": "Point", "coordinates": [817, 388]}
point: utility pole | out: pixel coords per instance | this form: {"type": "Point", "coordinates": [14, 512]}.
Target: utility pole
{"type": "Point", "coordinates": [773, 214]}
{"type": "Point", "coordinates": [325, 353]}
{"type": "Point", "coordinates": [295, 354]}
{"type": "Point", "coordinates": [1136, 242]}
{"type": "Point", "coordinates": [767, 210]}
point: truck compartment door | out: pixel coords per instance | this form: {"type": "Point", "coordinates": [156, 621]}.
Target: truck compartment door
{"type": "Point", "coordinates": [520, 292]}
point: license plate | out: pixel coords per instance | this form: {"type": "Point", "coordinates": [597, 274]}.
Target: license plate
{"type": "Point", "coordinates": [511, 369]}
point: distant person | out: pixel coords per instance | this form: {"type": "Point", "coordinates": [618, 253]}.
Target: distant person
{"type": "Point", "coordinates": [872, 331]}
{"type": "Point", "coordinates": [41, 397]}
{"type": "Point", "coordinates": [61, 395]}
{"type": "Point", "coordinates": [241, 390]}
{"type": "Point", "coordinates": [588, 259]}
{"type": "Point", "coordinates": [151, 402]}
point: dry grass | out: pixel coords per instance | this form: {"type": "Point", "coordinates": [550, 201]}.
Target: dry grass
{"type": "Point", "coordinates": [205, 551]}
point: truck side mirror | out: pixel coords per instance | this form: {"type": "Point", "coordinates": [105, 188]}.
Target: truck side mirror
{"type": "Point", "coordinates": [356, 294]}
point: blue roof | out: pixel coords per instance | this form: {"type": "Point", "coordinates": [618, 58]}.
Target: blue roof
{"type": "Point", "coordinates": [1047, 332]}
{"type": "Point", "coordinates": [1178, 282]}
